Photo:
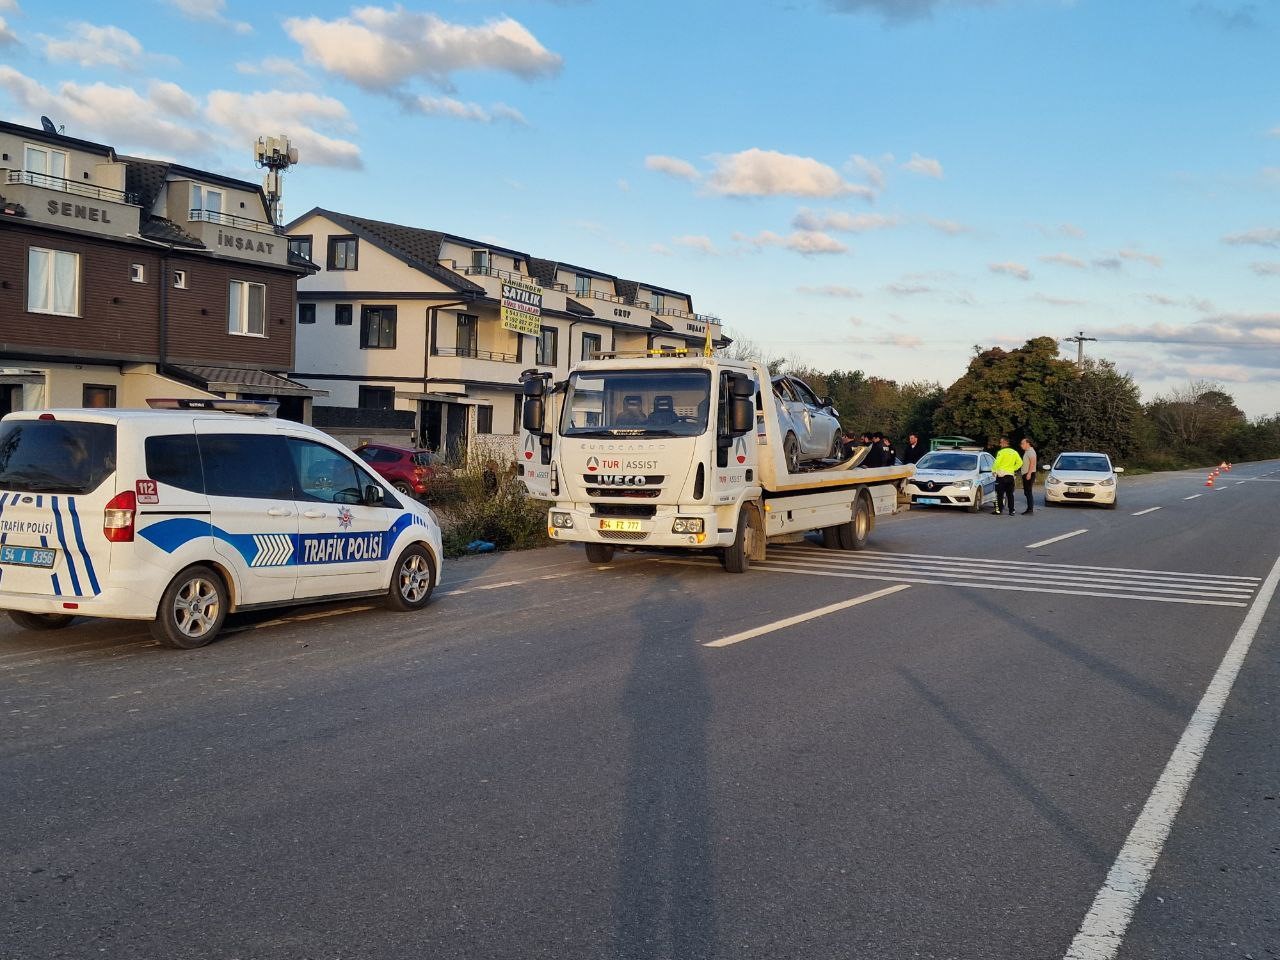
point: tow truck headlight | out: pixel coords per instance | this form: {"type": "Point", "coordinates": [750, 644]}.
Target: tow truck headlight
{"type": "Point", "coordinates": [562, 520]}
{"type": "Point", "coordinates": [687, 525]}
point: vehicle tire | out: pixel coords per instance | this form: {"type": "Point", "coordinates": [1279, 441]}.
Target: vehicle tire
{"type": "Point", "coordinates": [40, 621]}
{"type": "Point", "coordinates": [413, 579]}
{"type": "Point", "coordinates": [837, 447]}
{"type": "Point", "coordinates": [854, 534]}
{"type": "Point", "coordinates": [978, 499]}
{"type": "Point", "coordinates": [599, 553]}
{"type": "Point", "coordinates": [404, 488]}
{"type": "Point", "coordinates": [737, 556]}
{"type": "Point", "coordinates": [791, 453]}
{"type": "Point", "coordinates": [192, 610]}
{"type": "Point", "coordinates": [831, 537]}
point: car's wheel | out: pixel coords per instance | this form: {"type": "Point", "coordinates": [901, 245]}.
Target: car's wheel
{"type": "Point", "coordinates": [599, 553]}
{"type": "Point", "coordinates": [737, 556]}
{"type": "Point", "coordinates": [40, 621]}
{"type": "Point", "coordinates": [854, 534]}
{"type": "Point", "coordinates": [978, 498]}
{"type": "Point", "coordinates": [404, 488]}
{"type": "Point", "coordinates": [413, 580]}
{"type": "Point", "coordinates": [837, 448]}
{"type": "Point", "coordinates": [791, 451]}
{"type": "Point", "coordinates": [192, 610]}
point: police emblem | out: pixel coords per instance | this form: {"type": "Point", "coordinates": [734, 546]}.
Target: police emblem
{"type": "Point", "coordinates": [344, 517]}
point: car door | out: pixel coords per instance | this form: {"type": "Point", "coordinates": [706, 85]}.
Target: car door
{"type": "Point", "coordinates": [822, 426]}
{"type": "Point", "coordinates": [797, 413]}
{"type": "Point", "coordinates": [986, 478]}
{"type": "Point", "coordinates": [254, 521]}
{"type": "Point", "coordinates": [342, 541]}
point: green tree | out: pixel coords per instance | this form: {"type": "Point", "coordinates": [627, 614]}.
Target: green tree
{"type": "Point", "coordinates": [1100, 409]}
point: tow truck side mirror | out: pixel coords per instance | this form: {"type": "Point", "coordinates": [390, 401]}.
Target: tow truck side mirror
{"type": "Point", "coordinates": [533, 413]}
{"type": "Point", "coordinates": [742, 415]}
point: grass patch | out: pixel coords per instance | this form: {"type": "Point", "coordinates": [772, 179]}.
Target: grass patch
{"type": "Point", "coordinates": [483, 501]}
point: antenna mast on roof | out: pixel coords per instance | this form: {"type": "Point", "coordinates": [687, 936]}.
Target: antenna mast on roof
{"type": "Point", "coordinates": [277, 156]}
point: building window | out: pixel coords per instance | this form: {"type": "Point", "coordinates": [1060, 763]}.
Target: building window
{"type": "Point", "coordinates": [247, 309]}
{"type": "Point", "coordinates": [137, 273]}
{"type": "Point", "coordinates": [590, 344]}
{"type": "Point", "coordinates": [343, 253]}
{"type": "Point", "coordinates": [300, 246]}
{"type": "Point", "coordinates": [480, 259]}
{"type": "Point", "coordinates": [180, 279]}
{"type": "Point", "coordinates": [548, 340]}
{"type": "Point", "coordinates": [46, 163]}
{"type": "Point", "coordinates": [205, 200]}
{"type": "Point", "coordinates": [378, 328]}
{"type": "Point", "coordinates": [517, 412]}
{"type": "Point", "coordinates": [582, 285]}
{"type": "Point", "coordinates": [342, 314]}
{"type": "Point", "coordinates": [98, 395]}
{"type": "Point", "coordinates": [53, 282]}
{"type": "Point", "coordinates": [377, 398]}
{"type": "Point", "coordinates": [306, 313]}
{"type": "Point", "coordinates": [658, 302]}
{"type": "Point", "coordinates": [484, 419]}
{"type": "Point", "coordinates": [468, 335]}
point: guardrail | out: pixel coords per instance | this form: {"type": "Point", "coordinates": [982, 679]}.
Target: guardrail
{"type": "Point", "coordinates": [80, 189]}
{"type": "Point", "coordinates": [230, 220]}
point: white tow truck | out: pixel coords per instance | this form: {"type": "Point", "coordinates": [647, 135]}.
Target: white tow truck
{"type": "Point", "coordinates": [673, 452]}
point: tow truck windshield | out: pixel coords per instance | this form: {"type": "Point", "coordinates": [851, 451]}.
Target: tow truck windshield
{"type": "Point", "coordinates": [639, 404]}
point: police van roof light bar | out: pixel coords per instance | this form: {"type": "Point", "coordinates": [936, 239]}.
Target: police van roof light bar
{"type": "Point", "coordinates": [249, 408]}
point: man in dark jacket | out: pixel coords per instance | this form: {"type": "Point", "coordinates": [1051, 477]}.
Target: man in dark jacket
{"type": "Point", "coordinates": [875, 456]}
{"type": "Point", "coordinates": [914, 449]}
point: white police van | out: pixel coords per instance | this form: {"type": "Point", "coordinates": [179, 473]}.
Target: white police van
{"type": "Point", "coordinates": [182, 514]}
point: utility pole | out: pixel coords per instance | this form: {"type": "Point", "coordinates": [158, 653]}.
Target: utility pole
{"type": "Point", "coordinates": [1079, 340]}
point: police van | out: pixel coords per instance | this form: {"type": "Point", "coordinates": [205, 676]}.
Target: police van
{"type": "Point", "coordinates": [186, 512]}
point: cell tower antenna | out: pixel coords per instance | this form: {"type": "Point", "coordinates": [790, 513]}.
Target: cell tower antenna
{"type": "Point", "coordinates": [277, 156]}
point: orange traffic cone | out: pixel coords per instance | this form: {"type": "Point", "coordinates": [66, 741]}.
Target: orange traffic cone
{"type": "Point", "coordinates": [1209, 482]}
{"type": "Point", "coordinates": [1228, 468]}
{"type": "Point", "coordinates": [1223, 465]}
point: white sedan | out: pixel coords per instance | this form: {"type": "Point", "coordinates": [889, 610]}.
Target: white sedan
{"type": "Point", "coordinates": [1082, 478]}
{"type": "Point", "coordinates": [960, 478]}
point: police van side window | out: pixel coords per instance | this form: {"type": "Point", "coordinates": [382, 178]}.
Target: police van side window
{"type": "Point", "coordinates": [324, 474]}
{"type": "Point", "coordinates": [175, 460]}
{"type": "Point", "coordinates": [246, 465]}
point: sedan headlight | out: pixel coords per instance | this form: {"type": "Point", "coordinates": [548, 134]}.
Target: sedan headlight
{"type": "Point", "coordinates": [1052, 481]}
{"type": "Point", "coordinates": [562, 520]}
{"type": "Point", "coordinates": [1109, 482]}
{"type": "Point", "coordinates": [687, 525]}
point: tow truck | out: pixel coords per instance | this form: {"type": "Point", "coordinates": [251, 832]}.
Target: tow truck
{"type": "Point", "coordinates": [667, 451]}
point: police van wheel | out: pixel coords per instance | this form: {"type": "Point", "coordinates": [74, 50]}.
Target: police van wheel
{"type": "Point", "coordinates": [413, 580]}
{"type": "Point", "coordinates": [40, 621]}
{"type": "Point", "coordinates": [192, 609]}
{"type": "Point", "coordinates": [599, 553]}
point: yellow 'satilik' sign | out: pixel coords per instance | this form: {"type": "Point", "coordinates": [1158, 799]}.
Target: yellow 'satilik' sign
{"type": "Point", "coordinates": [522, 307]}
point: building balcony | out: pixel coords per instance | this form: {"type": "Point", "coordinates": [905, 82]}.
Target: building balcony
{"type": "Point", "coordinates": [71, 203]}
{"type": "Point", "coordinates": [476, 354]}
{"type": "Point", "coordinates": [240, 237]}
{"type": "Point", "coordinates": [511, 275]}
{"type": "Point", "coordinates": [229, 220]}
{"type": "Point", "coordinates": [78, 188]}
{"type": "Point", "coordinates": [452, 363]}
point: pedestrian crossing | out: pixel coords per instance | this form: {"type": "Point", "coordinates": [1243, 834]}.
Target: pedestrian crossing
{"type": "Point", "coordinates": [1017, 576]}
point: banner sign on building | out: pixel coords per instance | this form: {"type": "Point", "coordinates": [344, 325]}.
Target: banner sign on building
{"type": "Point", "coordinates": [522, 307]}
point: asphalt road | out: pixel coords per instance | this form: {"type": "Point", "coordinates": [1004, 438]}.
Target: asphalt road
{"type": "Point", "coordinates": [561, 761]}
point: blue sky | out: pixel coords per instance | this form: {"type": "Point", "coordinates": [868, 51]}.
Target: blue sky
{"type": "Point", "coordinates": [874, 184]}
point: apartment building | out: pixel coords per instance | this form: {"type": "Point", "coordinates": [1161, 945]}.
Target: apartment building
{"type": "Point", "coordinates": [123, 278]}
{"type": "Point", "coordinates": [405, 319]}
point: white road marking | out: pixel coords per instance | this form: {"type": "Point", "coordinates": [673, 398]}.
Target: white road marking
{"type": "Point", "coordinates": [1193, 496]}
{"type": "Point", "coordinates": [1104, 926]}
{"type": "Point", "coordinates": [1148, 510]}
{"type": "Point", "coordinates": [504, 583]}
{"type": "Point", "coordinates": [98, 658]}
{"type": "Point", "coordinates": [1238, 482]}
{"type": "Point", "coordinates": [1023, 564]}
{"type": "Point", "coordinates": [803, 617]}
{"type": "Point", "coordinates": [1045, 543]}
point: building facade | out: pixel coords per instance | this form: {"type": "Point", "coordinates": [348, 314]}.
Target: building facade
{"type": "Point", "coordinates": [405, 319]}
{"type": "Point", "coordinates": [123, 279]}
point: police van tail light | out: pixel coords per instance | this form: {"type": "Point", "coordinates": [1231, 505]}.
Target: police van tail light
{"type": "Point", "coordinates": [117, 520]}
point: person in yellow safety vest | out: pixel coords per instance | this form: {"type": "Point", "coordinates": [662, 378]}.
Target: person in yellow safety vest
{"type": "Point", "coordinates": [1006, 467]}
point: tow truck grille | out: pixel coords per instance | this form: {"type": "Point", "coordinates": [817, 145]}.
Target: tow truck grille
{"type": "Point", "coordinates": [622, 535]}
{"type": "Point", "coordinates": [624, 510]}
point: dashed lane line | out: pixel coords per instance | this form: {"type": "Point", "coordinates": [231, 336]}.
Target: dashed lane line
{"type": "Point", "coordinates": [1193, 496]}
{"type": "Point", "coordinates": [1101, 934]}
{"type": "Point", "coordinates": [803, 617]}
{"type": "Point", "coordinates": [1148, 510]}
{"type": "Point", "coordinates": [1065, 536]}
{"type": "Point", "coordinates": [504, 583]}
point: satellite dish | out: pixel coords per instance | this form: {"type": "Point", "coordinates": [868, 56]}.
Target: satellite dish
{"type": "Point", "coordinates": [48, 125]}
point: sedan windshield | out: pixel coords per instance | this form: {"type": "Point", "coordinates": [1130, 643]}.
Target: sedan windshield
{"type": "Point", "coordinates": [1091, 464]}
{"type": "Point", "coordinates": [948, 461]}
{"type": "Point", "coordinates": [630, 403]}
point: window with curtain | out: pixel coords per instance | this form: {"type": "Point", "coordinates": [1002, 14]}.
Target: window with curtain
{"type": "Point", "coordinates": [468, 335]}
{"type": "Point", "coordinates": [377, 328]}
{"type": "Point", "coordinates": [548, 347]}
{"type": "Point", "coordinates": [46, 163]}
{"type": "Point", "coordinates": [247, 309]}
{"type": "Point", "coordinates": [53, 282]}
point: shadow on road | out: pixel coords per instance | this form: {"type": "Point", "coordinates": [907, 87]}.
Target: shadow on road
{"type": "Point", "coordinates": [665, 889]}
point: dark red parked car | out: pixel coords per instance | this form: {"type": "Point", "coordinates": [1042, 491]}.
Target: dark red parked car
{"type": "Point", "coordinates": [410, 471]}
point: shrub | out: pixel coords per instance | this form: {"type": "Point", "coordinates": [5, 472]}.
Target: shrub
{"type": "Point", "coordinates": [487, 502]}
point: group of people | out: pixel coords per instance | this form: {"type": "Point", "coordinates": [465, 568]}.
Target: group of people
{"type": "Point", "coordinates": [881, 452]}
{"type": "Point", "coordinates": [1007, 468]}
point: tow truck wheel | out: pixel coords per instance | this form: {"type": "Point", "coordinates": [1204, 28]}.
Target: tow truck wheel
{"type": "Point", "coordinates": [599, 553]}
{"type": "Point", "coordinates": [791, 451]}
{"type": "Point", "coordinates": [737, 556]}
{"type": "Point", "coordinates": [831, 538]}
{"type": "Point", "coordinates": [40, 621]}
{"type": "Point", "coordinates": [192, 609]}
{"type": "Point", "coordinates": [854, 534]}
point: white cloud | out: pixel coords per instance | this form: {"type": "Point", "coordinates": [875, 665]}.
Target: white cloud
{"type": "Point", "coordinates": [661, 249]}
{"type": "Point", "coordinates": [297, 115]}
{"type": "Point", "coordinates": [671, 166]}
{"type": "Point", "coordinates": [803, 242]}
{"type": "Point", "coordinates": [870, 169]}
{"type": "Point", "coordinates": [7, 36]}
{"type": "Point", "coordinates": [1107, 263]}
{"type": "Point", "coordinates": [381, 50]}
{"type": "Point", "coordinates": [925, 166]}
{"type": "Point", "coordinates": [903, 11]}
{"type": "Point", "coordinates": [1260, 237]}
{"type": "Point", "coordinates": [209, 11]}
{"type": "Point", "coordinates": [901, 289]}
{"type": "Point", "coordinates": [1063, 259]}
{"type": "Point", "coordinates": [951, 228]}
{"type": "Point", "coordinates": [1059, 301]}
{"type": "Point", "coordinates": [171, 98]}
{"type": "Point", "coordinates": [282, 68]}
{"type": "Point", "coordinates": [1070, 230]}
{"type": "Point", "coordinates": [624, 185]}
{"type": "Point", "coordinates": [89, 45]}
{"type": "Point", "coordinates": [1196, 303]}
{"type": "Point", "coordinates": [1271, 269]}
{"type": "Point", "coordinates": [768, 173]}
{"type": "Point", "coordinates": [10, 6]}
{"type": "Point", "coordinates": [1011, 269]}
{"type": "Point", "coordinates": [842, 222]}
{"type": "Point", "coordinates": [459, 110]}
{"type": "Point", "coordinates": [698, 243]}
{"type": "Point", "coordinates": [831, 290]}
{"type": "Point", "coordinates": [1132, 254]}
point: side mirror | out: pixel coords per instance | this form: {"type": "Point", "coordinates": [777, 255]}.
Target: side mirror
{"type": "Point", "coordinates": [742, 415]}
{"type": "Point", "coordinates": [826, 401]}
{"type": "Point", "coordinates": [1118, 469]}
{"type": "Point", "coordinates": [373, 495]}
{"type": "Point", "coordinates": [741, 386]}
{"type": "Point", "coordinates": [533, 414]}
{"type": "Point", "coordinates": [1045, 466]}
{"type": "Point", "coordinates": [535, 387]}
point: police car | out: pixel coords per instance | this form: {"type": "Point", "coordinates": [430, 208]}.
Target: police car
{"type": "Point", "coordinates": [187, 512]}
{"type": "Point", "coordinates": [960, 477]}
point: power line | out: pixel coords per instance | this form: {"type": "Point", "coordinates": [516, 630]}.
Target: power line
{"type": "Point", "coordinates": [1079, 340]}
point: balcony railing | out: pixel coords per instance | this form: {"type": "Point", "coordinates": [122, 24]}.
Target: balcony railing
{"type": "Point", "coordinates": [707, 318]}
{"type": "Point", "coordinates": [77, 187]}
{"type": "Point", "coordinates": [598, 295]}
{"type": "Point", "coordinates": [475, 354]}
{"type": "Point", "coordinates": [675, 312]}
{"type": "Point", "coordinates": [230, 220]}
{"type": "Point", "coordinates": [477, 271]}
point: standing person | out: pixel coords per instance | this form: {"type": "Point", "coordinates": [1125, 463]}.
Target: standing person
{"type": "Point", "coordinates": [1006, 467]}
{"type": "Point", "coordinates": [888, 454]}
{"type": "Point", "coordinates": [1029, 460]}
{"type": "Point", "coordinates": [914, 449]}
